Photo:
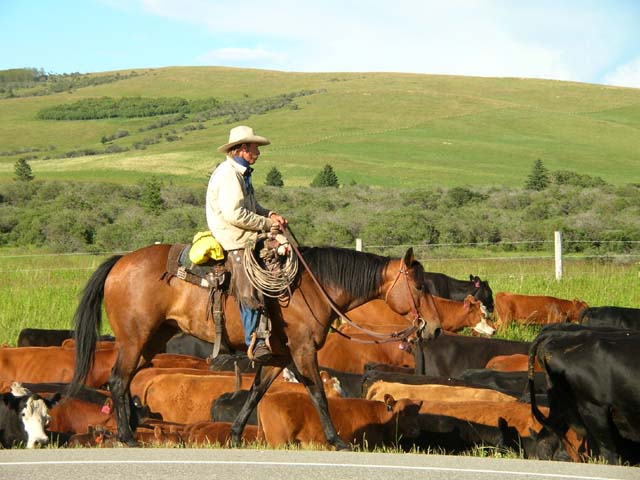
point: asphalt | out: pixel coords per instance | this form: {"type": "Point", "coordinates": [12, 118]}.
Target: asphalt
{"type": "Point", "coordinates": [248, 464]}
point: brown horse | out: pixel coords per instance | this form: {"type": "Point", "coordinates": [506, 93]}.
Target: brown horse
{"type": "Point", "coordinates": [145, 309]}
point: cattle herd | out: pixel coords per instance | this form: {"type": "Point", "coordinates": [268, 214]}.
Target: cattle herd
{"type": "Point", "coordinates": [572, 394]}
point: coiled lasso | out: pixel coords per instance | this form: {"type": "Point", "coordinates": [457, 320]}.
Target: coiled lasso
{"type": "Point", "coordinates": [281, 267]}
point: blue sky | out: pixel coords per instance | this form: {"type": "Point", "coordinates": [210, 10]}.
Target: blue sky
{"type": "Point", "coordinates": [585, 41]}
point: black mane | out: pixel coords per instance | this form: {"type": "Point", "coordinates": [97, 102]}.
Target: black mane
{"type": "Point", "coordinates": [358, 273]}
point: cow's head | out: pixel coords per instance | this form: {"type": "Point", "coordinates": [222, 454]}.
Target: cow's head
{"type": "Point", "coordinates": [34, 414]}
{"type": "Point", "coordinates": [482, 327]}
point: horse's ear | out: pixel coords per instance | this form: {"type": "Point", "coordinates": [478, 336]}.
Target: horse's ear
{"type": "Point", "coordinates": [409, 258]}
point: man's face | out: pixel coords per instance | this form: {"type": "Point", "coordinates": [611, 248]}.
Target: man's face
{"type": "Point", "coordinates": [251, 153]}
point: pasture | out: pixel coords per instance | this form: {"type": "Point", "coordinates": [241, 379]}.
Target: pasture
{"type": "Point", "coordinates": [429, 130]}
{"type": "Point", "coordinates": [41, 290]}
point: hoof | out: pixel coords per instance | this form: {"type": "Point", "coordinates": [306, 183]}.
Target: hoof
{"type": "Point", "coordinates": [342, 447]}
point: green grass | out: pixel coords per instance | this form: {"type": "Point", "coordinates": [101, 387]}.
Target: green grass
{"type": "Point", "coordinates": [42, 291]}
{"type": "Point", "coordinates": [379, 129]}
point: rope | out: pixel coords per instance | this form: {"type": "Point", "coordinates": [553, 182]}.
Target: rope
{"type": "Point", "coordinates": [281, 269]}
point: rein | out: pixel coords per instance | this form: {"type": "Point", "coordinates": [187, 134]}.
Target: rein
{"type": "Point", "coordinates": [382, 338]}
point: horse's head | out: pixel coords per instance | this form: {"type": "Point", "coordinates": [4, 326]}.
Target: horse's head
{"type": "Point", "coordinates": [406, 294]}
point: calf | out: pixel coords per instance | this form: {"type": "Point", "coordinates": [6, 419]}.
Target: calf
{"type": "Point", "coordinates": [450, 355]}
{"type": "Point", "coordinates": [23, 418]}
{"type": "Point", "coordinates": [536, 309]}
{"type": "Point", "coordinates": [289, 417]}
{"type": "Point", "coordinates": [593, 387]}
{"type": "Point", "coordinates": [618, 317]}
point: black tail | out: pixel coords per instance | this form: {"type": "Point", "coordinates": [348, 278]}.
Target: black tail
{"type": "Point", "coordinates": [88, 320]}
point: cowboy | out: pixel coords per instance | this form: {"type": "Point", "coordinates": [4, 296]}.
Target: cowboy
{"type": "Point", "coordinates": [235, 218]}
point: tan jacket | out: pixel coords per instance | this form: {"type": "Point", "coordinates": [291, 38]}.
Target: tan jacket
{"type": "Point", "coordinates": [233, 214]}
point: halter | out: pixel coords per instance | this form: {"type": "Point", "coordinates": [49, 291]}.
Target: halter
{"type": "Point", "coordinates": [383, 338]}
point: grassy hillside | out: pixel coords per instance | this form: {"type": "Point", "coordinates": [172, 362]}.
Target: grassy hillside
{"type": "Point", "coordinates": [379, 129]}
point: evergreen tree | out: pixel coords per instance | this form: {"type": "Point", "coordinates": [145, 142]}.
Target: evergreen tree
{"type": "Point", "coordinates": [538, 179]}
{"type": "Point", "coordinates": [151, 196]}
{"type": "Point", "coordinates": [326, 178]}
{"type": "Point", "coordinates": [274, 178]}
{"type": "Point", "coordinates": [23, 170]}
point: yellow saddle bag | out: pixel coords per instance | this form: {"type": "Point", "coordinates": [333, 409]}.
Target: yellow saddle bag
{"type": "Point", "coordinates": [205, 247]}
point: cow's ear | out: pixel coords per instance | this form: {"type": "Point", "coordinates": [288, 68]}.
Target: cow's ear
{"type": "Point", "coordinates": [409, 258]}
{"type": "Point", "coordinates": [471, 278]}
{"type": "Point", "coordinates": [389, 401]}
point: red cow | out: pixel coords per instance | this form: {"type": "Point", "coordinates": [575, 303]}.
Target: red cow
{"type": "Point", "coordinates": [517, 362]}
{"type": "Point", "coordinates": [51, 364]}
{"type": "Point", "coordinates": [536, 309]}
{"type": "Point", "coordinates": [289, 417]}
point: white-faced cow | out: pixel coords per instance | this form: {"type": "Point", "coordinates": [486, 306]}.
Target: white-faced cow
{"type": "Point", "coordinates": [23, 418]}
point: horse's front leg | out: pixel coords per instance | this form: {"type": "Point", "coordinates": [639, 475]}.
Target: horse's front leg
{"type": "Point", "coordinates": [307, 362]}
{"type": "Point", "coordinates": [263, 379]}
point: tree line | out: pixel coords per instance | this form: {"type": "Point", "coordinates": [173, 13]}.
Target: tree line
{"type": "Point", "coordinates": [95, 217]}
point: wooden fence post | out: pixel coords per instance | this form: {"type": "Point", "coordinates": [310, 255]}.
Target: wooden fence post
{"type": "Point", "coordinates": [558, 254]}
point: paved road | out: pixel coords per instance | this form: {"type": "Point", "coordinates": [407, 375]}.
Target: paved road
{"type": "Point", "coordinates": [245, 464]}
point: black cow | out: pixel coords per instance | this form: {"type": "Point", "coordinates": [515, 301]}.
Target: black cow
{"type": "Point", "coordinates": [185, 344]}
{"type": "Point", "coordinates": [618, 317]}
{"type": "Point", "coordinates": [510, 383]}
{"type": "Point", "coordinates": [593, 380]}
{"type": "Point", "coordinates": [23, 418]}
{"type": "Point", "coordinates": [444, 286]}
{"type": "Point", "coordinates": [46, 337]}
{"type": "Point", "coordinates": [450, 355]}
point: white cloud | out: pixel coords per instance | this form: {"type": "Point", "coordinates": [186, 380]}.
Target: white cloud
{"type": "Point", "coordinates": [627, 75]}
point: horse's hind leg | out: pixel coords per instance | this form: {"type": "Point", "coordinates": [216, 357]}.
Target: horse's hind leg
{"type": "Point", "coordinates": [126, 363]}
{"type": "Point", "coordinates": [307, 363]}
{"type": "Point", "coordinates": [263, 379]}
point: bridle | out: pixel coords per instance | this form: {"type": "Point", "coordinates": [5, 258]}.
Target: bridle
{"type": "Point", "coordinates": [402, 335]}
{"type": "Point", "coordinates": [419, 322]}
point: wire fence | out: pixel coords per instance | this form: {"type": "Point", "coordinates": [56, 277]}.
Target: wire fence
{"type": "Point", "coordinates": [441, 252]}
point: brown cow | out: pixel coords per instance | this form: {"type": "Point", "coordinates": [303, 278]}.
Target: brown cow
{"type": "Point", "coordinates": [454, 315]}
{"type": "Point", "coordinates": [345, 355]}
{"type": "Point", "coordinates": [51, 364]}
{"type": "Point", "coordinates": [289, 417]}
{"type": "Point", "coordinates": [187, 397]}
{"type": "Point", "coordinates": [517, 362]}
{"type": "Point", "coordinates": [536, 309]}
{"type": "Point", "coordinates": [431, 392]}
{"type": "Point", "coordinates": [340, 353]}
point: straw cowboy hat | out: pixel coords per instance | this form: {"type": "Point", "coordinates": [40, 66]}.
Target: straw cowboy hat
{"type": "Point", "coordinates": [240, 135]}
